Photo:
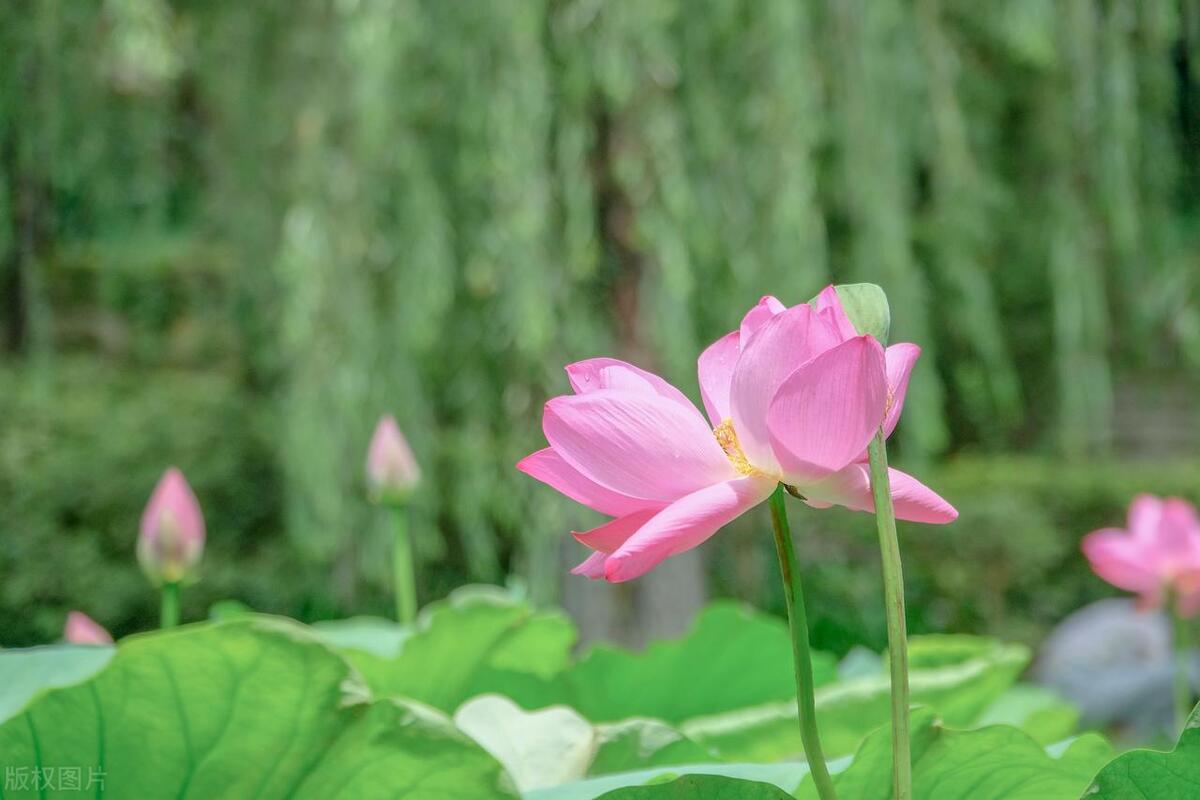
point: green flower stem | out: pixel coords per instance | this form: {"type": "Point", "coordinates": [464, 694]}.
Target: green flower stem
{"type": "Point", "coordinates": [893, 594]}
{"type": "Point", "coordinates": [170, 605]}
{"type": "Point", "coordinates": [404, 580]}
{"type": "Point", "coordinates": [1183, 674]}
{"type": "Point", "coordinates": [801, 655]}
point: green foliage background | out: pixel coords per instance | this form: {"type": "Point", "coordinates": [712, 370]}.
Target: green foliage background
{"type": "Point", "coordinates": [233, 234]}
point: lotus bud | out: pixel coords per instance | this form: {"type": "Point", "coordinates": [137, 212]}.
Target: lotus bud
{"type": "Point", "coordinates": [392, 471]}
{"type": "Point", "coordinates": [867, 307]}
{"type": "Point", "coordinates": [172, 534]}
{"type": "Point", "coordinates": [82, 629]}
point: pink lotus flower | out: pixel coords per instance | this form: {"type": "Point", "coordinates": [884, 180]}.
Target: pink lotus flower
{"type": "Point", "coordinates": [172, 532]}
{"type": "Point", "coordinates": [392, 471]}
{"type": "Point", "coordinates": [82, 629]}
{"type": "Point", "coordinates": [1158, 555]}
{"type": "Point", "coordinates": [794, 396]}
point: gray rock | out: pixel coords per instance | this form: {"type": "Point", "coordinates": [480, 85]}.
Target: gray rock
{"type": "Point", "coordinates": [1116, 664]}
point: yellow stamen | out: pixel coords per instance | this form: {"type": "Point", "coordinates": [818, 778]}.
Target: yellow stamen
{"type": "Point", "coordinates": [727, 438]}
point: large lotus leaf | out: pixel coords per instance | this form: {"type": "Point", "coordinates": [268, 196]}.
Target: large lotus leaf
{"type": "Point", "coordinates": [251, 708]}
{"type": "Point", "coordinates": [556, 745]}
{"type": "Point", "coordinates": [959, 676]}
{"type": "Point", "coordinates": [365, 635]}
{"type": "Point", "coordinates": [701, 787]}
{"type": "Point", "coordinates": [1040, 712]}
{"type": "Point", "coordinates": [993, 763]}
{"type": "Point", "coordinates": [782, 777]}
{"type": "Point", "coordinates": [539, 749]}
{"type": "Point", "coordinates": [732, 657]}
{"type": "Point", "coordinates": [480, 639]}
{"type": "Point", "coordinates": [25, 672]}
{"type": "Point", "coordinates": [1153, 774]}
{"type": "Point", "coordinates": [639, 743]}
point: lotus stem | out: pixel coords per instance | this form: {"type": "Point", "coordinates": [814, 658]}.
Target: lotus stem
{"type": "Point", "coordinates": [893, 594]}
{"type": "Point", "coordinates": [403, 578]}
{"type": "Point", "coordinates": [1183, 672]}
{"type": "Point", "coordinates": [170, 605]}
{"type": "Point", "coordinates": [801, 652]}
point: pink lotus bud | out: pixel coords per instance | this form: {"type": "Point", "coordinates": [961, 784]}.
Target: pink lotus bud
{"type": "Point", "coordinates": [172, 535]}
{"type": "Point", "coordinates": [392, 471]}
{"type": "Point", "coordinates": [82, 629]}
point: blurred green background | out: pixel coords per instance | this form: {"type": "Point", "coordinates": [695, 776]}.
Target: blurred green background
{"type": "Point", "coordinates": [234, 234]}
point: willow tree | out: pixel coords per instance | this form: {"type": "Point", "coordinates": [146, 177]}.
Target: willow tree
{"type": "Point", "coordinates": [427, 208]}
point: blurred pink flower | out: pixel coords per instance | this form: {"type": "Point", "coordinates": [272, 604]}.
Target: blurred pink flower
{"type": "Point", "coordinates": [793, 396]}
{"type": "Point", "coordinates": [82, 629]}
{"type": "Point", "coordinates": [392, 471]}
{"type": "Point", "coordinates": [1157, 555]}
{"type": "Point", "coordinates": [172, 533]}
